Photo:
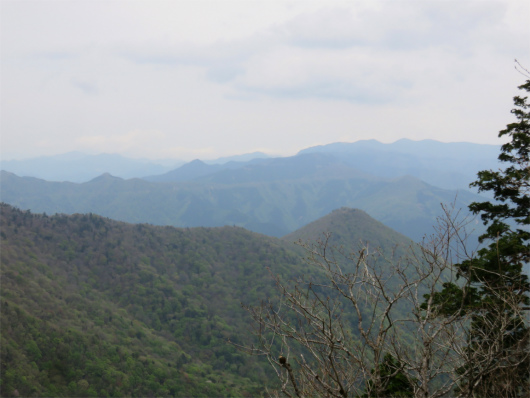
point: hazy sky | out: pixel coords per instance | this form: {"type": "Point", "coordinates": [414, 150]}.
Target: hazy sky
{"type": "Point", "coordinates": [203, 79]}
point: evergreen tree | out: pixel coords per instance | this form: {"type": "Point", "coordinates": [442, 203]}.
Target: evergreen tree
{"type": "Point", "coordinates": [396, 383]}
{"type": "Point", "coordinates": [496, 288]}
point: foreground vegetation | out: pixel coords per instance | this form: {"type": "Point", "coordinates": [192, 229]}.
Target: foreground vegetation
{"type": "Point", "coordinates": [466, 333]}
{"type": "Point", "coordinates": [95, 307]}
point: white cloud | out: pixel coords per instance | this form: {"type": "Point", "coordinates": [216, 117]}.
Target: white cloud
{"type": "Point", "coordinates": [359, 53]}
{"type": "Point", "coordinates": [121, 142]}
{"type": "Point", "coordinates": [230, 77]}
{"type": "Point", "coordinates": [357, 75]}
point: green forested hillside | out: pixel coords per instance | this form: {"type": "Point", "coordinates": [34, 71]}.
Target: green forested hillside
{"type": "Point", "coordinates": [95, 307]}
{"type": "Point", "coordinates": [351, 228]}
{"type": "Point", "coordinates": [345, 231]}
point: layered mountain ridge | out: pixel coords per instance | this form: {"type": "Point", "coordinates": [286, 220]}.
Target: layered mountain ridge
{"type": "Point", "coordinates": [400, 184]}
{"type": "Point", "coordinates": [270, 205]}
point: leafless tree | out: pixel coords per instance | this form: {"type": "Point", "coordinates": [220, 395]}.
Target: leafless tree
{"type": "Point", "coordinates": [332, 334]}
{"type": "Point", "coordinates": [522, 70]}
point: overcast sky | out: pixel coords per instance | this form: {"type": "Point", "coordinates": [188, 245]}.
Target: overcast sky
{"type": "Point", "coordinates": [204, 79]}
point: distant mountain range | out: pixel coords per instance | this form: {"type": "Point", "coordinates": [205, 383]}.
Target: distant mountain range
{"type": "Point", "coordinates": [400, 184]}
{"type": "Point", "coordinates": [445, 165]}
{"type": "Point", "coordinates": [274, 197]}
{"type": "Point", "coordinates": [81, 167]}
{"type": "Point", "coordinates": [197, 168]}
{"type": "Point", "coordinates": [238, 158]}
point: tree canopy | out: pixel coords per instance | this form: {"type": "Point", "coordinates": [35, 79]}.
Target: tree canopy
{"type": "Point", "coordinates": [496, 288]}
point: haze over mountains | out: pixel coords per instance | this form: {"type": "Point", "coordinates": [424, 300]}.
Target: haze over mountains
{"type": "Point", "coordinates": [276, 196]}
{"type": "Point", "coordinates": [81, 167]}
{"type": "Point", "coordinates": [446, 165]}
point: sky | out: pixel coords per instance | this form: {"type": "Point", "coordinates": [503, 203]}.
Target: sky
{"type": "Point", "coordinates": [205, 79]}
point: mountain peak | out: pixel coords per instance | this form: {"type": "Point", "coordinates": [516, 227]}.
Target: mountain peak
{"type": "Point", "coordinates": [106, 177]}
{"type": "Point", "coordinates": [349, 228]}
{"type": "Point", "coordinates": [196, 162]}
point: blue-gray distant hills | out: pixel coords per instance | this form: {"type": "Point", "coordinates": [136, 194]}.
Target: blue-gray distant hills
{"type": "Point", "coordinates": [196, 169]}
{"type": "Point", "coordinates": [400, 184]}
{"type": "Point", "coordinates": [81, 167]}
{"type": "Point", "coordinates": [271, 196]}
{"type": "Point", "coordinates": [308, 166]}
{"type": "Point", "coordinates": [446, 165]}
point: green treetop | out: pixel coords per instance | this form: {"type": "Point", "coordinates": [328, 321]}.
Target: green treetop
{"type": "Point", "coordinates": [496, 289]}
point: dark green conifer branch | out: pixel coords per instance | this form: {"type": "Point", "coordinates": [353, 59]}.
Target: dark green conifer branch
{"type": "Point", "coordinates": [496, 290]}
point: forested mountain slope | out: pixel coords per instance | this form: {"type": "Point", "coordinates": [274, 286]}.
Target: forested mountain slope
{"type": "Point", "coordinates": [96, 307]}
{"type": "Point", "coordinates": [351, 229]}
